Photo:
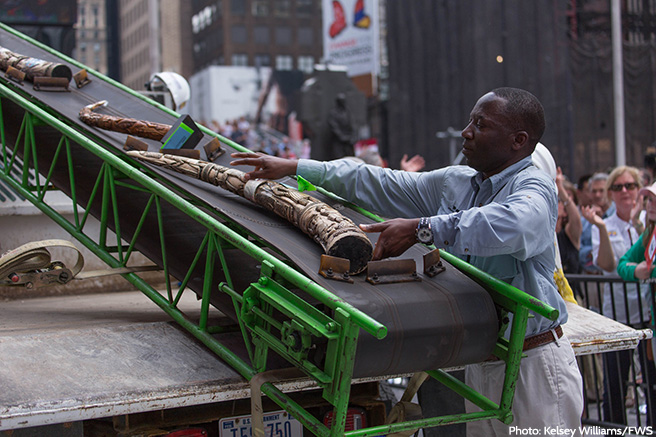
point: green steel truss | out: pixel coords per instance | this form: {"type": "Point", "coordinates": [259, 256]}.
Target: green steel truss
{"type": "Point", "coordinates": [301, 325]}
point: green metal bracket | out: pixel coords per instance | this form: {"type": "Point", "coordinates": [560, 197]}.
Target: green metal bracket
{"type": "Point", "coordinates": [292, 332]}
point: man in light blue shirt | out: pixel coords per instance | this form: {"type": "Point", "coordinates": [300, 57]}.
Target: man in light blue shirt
{"type": "Point", "coordinates": [498, 213]}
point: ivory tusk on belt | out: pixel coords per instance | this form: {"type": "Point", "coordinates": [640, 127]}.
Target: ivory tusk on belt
{"type": "Point", "coordinates": [33, 67]}
{"type": "Point", "coordinates": [337, 235]}
{"type": "Point", "coordinates": [132, 126]}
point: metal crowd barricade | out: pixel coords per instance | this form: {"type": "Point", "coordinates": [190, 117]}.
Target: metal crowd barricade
{"type": "Point", "coordinates": [636, 394]}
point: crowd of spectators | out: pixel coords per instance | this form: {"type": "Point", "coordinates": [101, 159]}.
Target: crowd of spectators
{"type": "Point", "coordinates": [261, 139]}
{"type": "Point", "coordinates": [602, 220]}
{"type": "Point", "coordinates": [274, 143]}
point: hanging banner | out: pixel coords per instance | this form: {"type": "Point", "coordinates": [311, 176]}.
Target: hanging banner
{"type": "Point", "coordinates": [46, 12]}
{"type": "Point", "coordinates": [350, 35]}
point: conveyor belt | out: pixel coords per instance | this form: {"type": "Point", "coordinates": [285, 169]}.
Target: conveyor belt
{"type": "Point", "coordinates": [442, 321]}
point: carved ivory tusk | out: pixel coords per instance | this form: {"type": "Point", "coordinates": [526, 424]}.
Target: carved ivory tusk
{"type": "Point", "coordinates": [337, 235]}
{"type": "Point", "coordinates": [132, 126]}
{"type": "Point", "coordinates": [33, 67]}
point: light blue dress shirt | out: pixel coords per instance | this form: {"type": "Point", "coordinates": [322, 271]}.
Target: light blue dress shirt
{"type": "Point", "coordinates": [504, 225]}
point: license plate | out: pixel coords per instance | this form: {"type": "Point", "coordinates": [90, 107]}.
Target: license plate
{"type": "Point", "coordinates": [276, 424]}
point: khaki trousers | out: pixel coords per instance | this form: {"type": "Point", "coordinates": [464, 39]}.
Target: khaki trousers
{"type": "Point", "coordinates": [549, 391]}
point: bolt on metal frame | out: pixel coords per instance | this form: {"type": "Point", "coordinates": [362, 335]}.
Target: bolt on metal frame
{"type": "Point", "coordinates": [255, 305]}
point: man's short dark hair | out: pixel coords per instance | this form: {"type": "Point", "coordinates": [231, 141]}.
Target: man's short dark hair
{"type": "Point", "coordinates": [650, 156]}
{"type": "Point", "coordinates": [525, 109]}
{"type": "Point", "coordinates": [583, 180]}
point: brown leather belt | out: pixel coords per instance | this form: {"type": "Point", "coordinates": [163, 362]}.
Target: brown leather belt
{"type": "Point", "coordinates": [536, 340]}
{"type": "Point", "coordinates": [544, 338]}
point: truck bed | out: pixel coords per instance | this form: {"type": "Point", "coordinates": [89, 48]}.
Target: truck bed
{"type": "Point", "coordinates": [71, 358]}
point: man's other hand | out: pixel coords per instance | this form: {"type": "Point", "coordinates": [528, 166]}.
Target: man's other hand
{"type": "Point", "coordinates": [396, 236]}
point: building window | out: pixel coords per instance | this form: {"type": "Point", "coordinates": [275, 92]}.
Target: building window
{"type": "Point", "coordinates": [283, 36]}
{"type": "Point", "coordinates": [306, 64]}
{"type": "Point", "coordinates": [83, 52]}
{"type": "Point", "coordinates": [305, 36]}
{"type": "Point", "coordinates": [261, 35]}
{"type": "Point", "coordinates": [284, 62]}
{"type": "Point", "coordinates": [304, 7]}
{"type": "Point", "coordinates": [238, 34]}
{"type": "Point", "coordinates": [238, 7]}
{"type": "Point", "coordinates": [202, 19]}
{"type": "Point", "coordinates": [240, 59]}
{"type": "Point", "coordinates": [260, 8]}
{"type": "Point", "coordinates": [281, 8]}
{"type": "Point", "coordinates": [262, 60]}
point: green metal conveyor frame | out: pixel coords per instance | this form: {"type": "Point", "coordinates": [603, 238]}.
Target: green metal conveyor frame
{"type": "Point", "coordinates": [255, 304]}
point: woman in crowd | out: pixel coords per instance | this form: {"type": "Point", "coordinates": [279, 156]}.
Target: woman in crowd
{"type": "Point", "coordinates": [612, 238]}
{"type": "Point", "coordinates": [632, 265]}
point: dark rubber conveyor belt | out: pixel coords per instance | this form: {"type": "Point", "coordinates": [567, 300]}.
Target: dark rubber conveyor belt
{"type": "Point", "coordinates": [442, 321]}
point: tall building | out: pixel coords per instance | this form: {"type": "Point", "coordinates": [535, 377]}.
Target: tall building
{"type": "Point", "coordinates": [282, 34]}
{"type": "Point", "coordinates": [91, 35]}
{"type": "Point", "coordinates": [140, 46]}
{"type": "Point", "coordinates": [131, 40]}
{"type": "Point", "coordinates": [154, 37]}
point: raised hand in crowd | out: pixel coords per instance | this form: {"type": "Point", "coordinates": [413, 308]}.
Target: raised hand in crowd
{"type": "Point", "coordinates": [606, 258]}
{"type": "Point", "coordinates": [573, 227]}
{"type": "Point", "coordinates": [635, 214]}
{"type": "Point", "coordinates": [416, 163]}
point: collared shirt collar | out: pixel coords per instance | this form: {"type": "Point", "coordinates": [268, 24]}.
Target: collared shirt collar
{"type": "Point", "coordinates": [500, 179]}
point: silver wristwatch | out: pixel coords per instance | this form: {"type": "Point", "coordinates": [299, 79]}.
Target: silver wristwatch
{"type": "Point", "coordinates": [424, 233]}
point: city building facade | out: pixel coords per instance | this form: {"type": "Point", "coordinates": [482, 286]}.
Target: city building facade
{"type": "Point", "coordinates": [154, 37]}
{"type": "Point", "coordinates": [282, 34]}
{"type": "Point", "coordinates": [91, 35]}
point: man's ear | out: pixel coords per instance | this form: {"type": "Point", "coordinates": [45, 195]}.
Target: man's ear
{"type": "Point", "coordinates": [520, 140]}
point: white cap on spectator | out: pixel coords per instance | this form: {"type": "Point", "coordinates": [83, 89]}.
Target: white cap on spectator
{"type": "Point", "coordinates": [649, 189]}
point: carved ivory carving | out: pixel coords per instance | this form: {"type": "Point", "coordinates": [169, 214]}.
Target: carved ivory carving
{"type": "Point", "coordinates": [32, 67]}
{"type": "Point", "coordinates": [337, 235]}
{"type": "Point", "coordinates": [132, 126]}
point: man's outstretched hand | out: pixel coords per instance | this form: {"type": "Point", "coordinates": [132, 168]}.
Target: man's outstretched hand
{"type": "Point", "coordinates": [396, 236]}
{"type": "Point", "coordinates": [266, 166]}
